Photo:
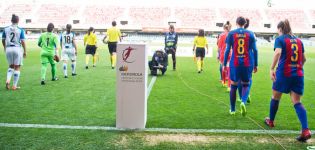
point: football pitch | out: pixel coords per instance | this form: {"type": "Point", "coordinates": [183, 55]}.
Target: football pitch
{"type": "Point", "coordinates": [181, 99]}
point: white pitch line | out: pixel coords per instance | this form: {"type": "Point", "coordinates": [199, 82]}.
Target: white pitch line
{"type": "Point", "coordinates": [162, 130]}
{"type": "Point", "coordinates": [151, 85]}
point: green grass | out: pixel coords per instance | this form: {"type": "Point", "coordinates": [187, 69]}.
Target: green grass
{"type": "Point", "coordinates": [180, 99]}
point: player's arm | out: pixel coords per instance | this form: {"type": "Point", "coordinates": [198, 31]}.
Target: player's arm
{"type": "Point", "coordinates": [255, 50]}
{"type": "Point", "coordinates": [207, 47]}
{"type": "Point", "coordinates": [227, 49]}
{"type": "Point", "coordinates": [176, 39]}
{"type": "Point", "coordinates": [84, 39]}
{"type": "Point", "coordinates": [119, 34]}
{"type": "Point", "coordinates": [56, 46]}
{"type": "Point", "coordinates": [22, 37]}
{"type": "Point", "coordinates": [74, 44]}
{"type": "Point", "coordinates": [60, 40]}
{"type": "Point", "coordinates": [39, 43]}
{"type": "Point", "coordinates": [3, 40]}
{"type": "Point", "coordinates": [304, 58]}
{"type": "Point", "coordinates": [275, 60]}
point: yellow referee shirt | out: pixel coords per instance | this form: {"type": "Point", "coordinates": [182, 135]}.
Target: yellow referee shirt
{"type": "Point", "coordinates": [90, 39]}
{"type": "Point", "coordinates": [113, 34]}
{"type": "Point", "coordinates": [200, 41]}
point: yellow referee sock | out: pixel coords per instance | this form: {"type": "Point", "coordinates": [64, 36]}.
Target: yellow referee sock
{"type": "Point", "coordinates": [114, 61]}
{"type": "Point", "coordinates": [87, 58]}
{"type": "Point", "coordinates": [199, 65]}
{"type": "Point", "coordinates": [94, 60]}
{"type": "Point", "coordinates": [111, 60]}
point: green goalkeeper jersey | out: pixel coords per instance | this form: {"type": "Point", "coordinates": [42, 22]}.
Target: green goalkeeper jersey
{"type": "Point", "coordinates": [48, 42]}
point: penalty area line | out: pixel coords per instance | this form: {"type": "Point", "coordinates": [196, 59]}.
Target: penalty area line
{"type": "Point", "coordinates": [161, 130]}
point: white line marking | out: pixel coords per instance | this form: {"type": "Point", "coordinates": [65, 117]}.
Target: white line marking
{"type": "Point", "coordinates": [164, 130]}
{"type": "Point", "coordinates": [151, 85]}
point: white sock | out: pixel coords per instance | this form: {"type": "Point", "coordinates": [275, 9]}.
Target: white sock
{"type": "Point", "coordinates": [65, 69]}
{"type": "Point", "coordinates": [16, 78]}
{"type": "Point", "coordinates": [73, 65]}
{"type": "Point", "coordinates": [9, 74]}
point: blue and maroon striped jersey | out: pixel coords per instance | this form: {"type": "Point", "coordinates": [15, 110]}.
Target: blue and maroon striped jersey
{"type": "Point", "coordinates": [244, 50]}
{"type": "Point", "coordinates": [291, 59]}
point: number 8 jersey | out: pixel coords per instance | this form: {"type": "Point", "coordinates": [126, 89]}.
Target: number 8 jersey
{"type": "Point", "coordinates": [244, 50]}
{"type": "Point", "coordinates": [291, 59]}
{"type": "Point", "coordinates": [67, 40]}
{"type": "Point", "coordinates": [13, 36]}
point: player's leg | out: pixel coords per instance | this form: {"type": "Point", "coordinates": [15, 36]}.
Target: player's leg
{"type": "Point", "coordinates": [220, 70]}
{"type": "Point", "coordinates": [87, 57]}
{"type": "Point", "coordinates": [173, 51]}
{"type": "Point", "coordinates": [53, 68]}
{"type": "Point", "coordinates": [44, 62]}
{"type": "Point", "coordinates": [297, 88]}
{"type": "Point", "coordinates": [234, 78]}
{"type": "Point", "coordinates": [249, 88]}
{"type": "Point", "coordinates": [10, 71]}
{"type": "Point", "coordinates": [203, 53]}
{"type": "Point", "coordinates": [240, 91]}
{"type": "Point", "coordinates": [73, 59]}
{"type": "Point", "coordinates": [64, 58]}
{"type": "Point", "coordinates": [273, 108]}
{"type": "Point", "coordinates": [110, 50]}
{"type": "Point", "coordinates": [227, 78]}
{"type": "Point", "coordinates": [114, 55]}
{"type": "Point", "coordinates": [16, 77]}
{"type": "Point", "coordinates": [93, 52]}
{"type": "Point", "coordinates": [201, 63]}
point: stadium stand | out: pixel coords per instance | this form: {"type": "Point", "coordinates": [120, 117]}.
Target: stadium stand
{"type": "Point", "coordinates": [196, 17]}
{"type": "Point", "coordinates": [22, 10]}
{"type": "Point", "coordinates": [97, 14]}
{"type": "Point", "coordinates": [58, 14]}
{"type": "Point", "coordinates": [149, 17]}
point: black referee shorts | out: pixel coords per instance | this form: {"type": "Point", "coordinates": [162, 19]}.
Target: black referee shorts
{"type": "Point", "coordinates": [112, 46]}
{"type": "Point", "coordinates": [200, 52]}
{"type": "Point", "coordinates": [90, 49]}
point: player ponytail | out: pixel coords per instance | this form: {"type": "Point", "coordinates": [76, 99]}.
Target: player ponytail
{"type": "Point", "coordinates": [91, 29]}
{"type": "Point", "coordinates": [241, 21]}
{"type": "Point", "coordinates": [201, 33]}
{"type": "Point", "coordinates": [50, 27]}
{"type": "Point", "coordinates": [285, 26]}
{"type": "Point", "coordinates": [15, 19]}
{"type": "Point", "coordinates": [247, 23]}
{"type": "Point", "coordinates": [68, 27]}
{"type": "Point", "coordinates": [227, 26]}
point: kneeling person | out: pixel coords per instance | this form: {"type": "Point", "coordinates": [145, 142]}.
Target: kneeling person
{"type": "Point", "coordinates": [159, 61]}
{"type": "Point", "coordinates": [69, 50]}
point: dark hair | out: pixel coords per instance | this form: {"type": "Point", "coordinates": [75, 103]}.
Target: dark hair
{"type": "Point", "coordinates": [68, 27]}
{"type": "Point", "coordinates": [172, 26]}
{"type": "Point", "coordinates": [90, 30]}
{"type": "Point", "coordinates": [15, 18]}
{"type": "Point", "coordinates": [247, 23]}
{"type": "Point", "coordinates": [285, 26]}
{"type": "Point", "coordinates": [50, 27]}
{"type": "Point", "coordinates": [227, 26]}
{"type": "Point", "coordinates": [201, 32]}
{"type": "Point", "coordinates": [241, 21]}
{"type": "Point", "coordinates": [114, 23]}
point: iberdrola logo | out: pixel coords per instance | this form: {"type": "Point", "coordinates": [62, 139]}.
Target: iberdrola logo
{"type": "Point", "coordinates": [126, 55]}
{"type": "Point", "coordinates": [123, 68]}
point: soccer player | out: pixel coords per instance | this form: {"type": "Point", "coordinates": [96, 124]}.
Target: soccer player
{"type": "Point", "coordinates": [222, 46]}
{"type": "Point", "coordinates": [12, 39]}
{"type": "Point", "coordinates": [69, 50]}
{"type": "Point", "coordinates": [170, 41]}
{"type": "Point", "coordinates": [250, 81]}
{"type": "Point", "coordinates": [200, 43]}
{"type": "Point", "coordinates": [289, 76]}
{"type": "Point", "coordinates": [90, 41]}
{"type": "Point", "coordinates": [243, 61]}
{"type": "Point", "coordinates": [113, 35]}
{"type": "Point", "coordinates": [48, 41]}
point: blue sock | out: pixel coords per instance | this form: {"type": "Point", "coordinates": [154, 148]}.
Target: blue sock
{"type": "Point", "coordinates": [274, 105]}
{"type": "Point", "coordinates": [239, 89]}
{"type": "Point", "coordinates": [233, 97]}
{"type": "Point", "coordinates": [249, 87]}
{"type": "Point", "coordinates": [301, 113]}
{"type": "Point", "coordinates": [244, 92]}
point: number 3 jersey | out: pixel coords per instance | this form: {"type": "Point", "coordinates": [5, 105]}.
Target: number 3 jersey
{"type": "Point", "coordinates": [13, 36]}
{"type": "Point", "coordinates": [291, 59]}
{"type": "Point", "coordinates": [67, 40]}
{"type": "Point", "coordinates": [244, 50]}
